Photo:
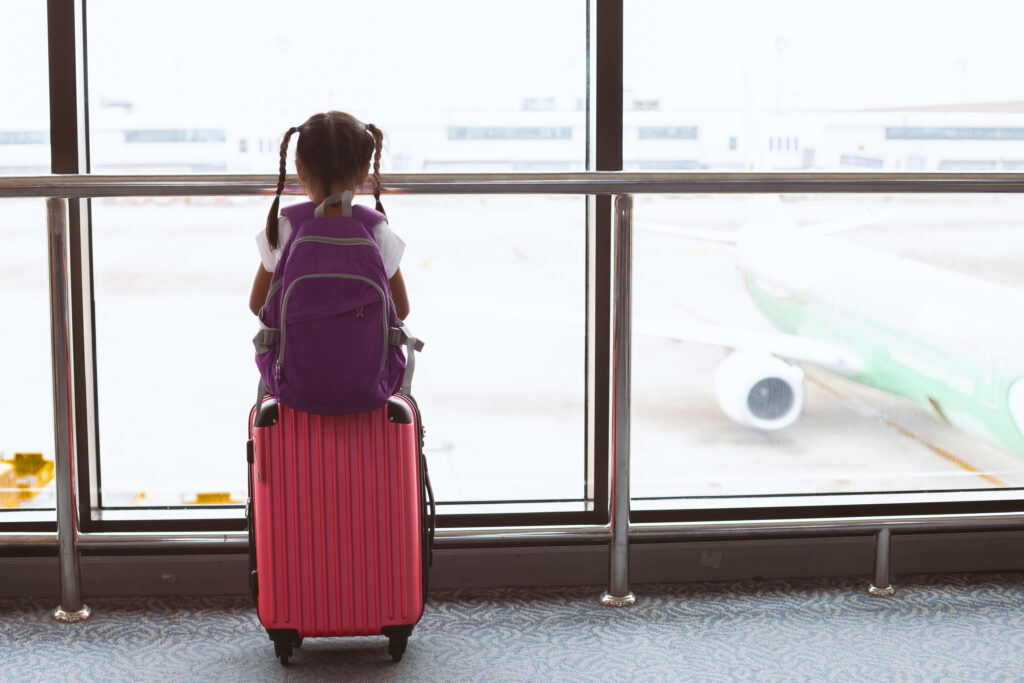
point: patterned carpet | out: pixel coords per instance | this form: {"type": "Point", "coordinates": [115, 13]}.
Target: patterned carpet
{"type": "Point", "coordinates": [937, 628]}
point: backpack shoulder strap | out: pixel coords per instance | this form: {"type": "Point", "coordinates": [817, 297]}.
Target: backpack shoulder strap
{"type": "Point", "coordinates": [297, 214]}
{"type": "Point", "coordinates": [367, 216]}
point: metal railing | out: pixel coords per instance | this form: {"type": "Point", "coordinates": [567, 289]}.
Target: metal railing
{"type": "Point", "coordinates": [582, 183]}
{"type": "Point", "coordinates": [619, 532]}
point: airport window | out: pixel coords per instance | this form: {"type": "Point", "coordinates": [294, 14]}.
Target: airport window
{"type": "Point", "coordinates": [668, 132]}
{"type": "Point", "coordinates": [505, 352]}
{"type": "Point", "coordinates": [779, 70]}
{"type": "Point", "coordinates": [24, 116]}
{"type": "Point", "coordinates": [26, 413]}
{"type": "Point", "coordinates": [913, 432]}
{"type": "Point", "coordinates": [509, 133]}
{"type": "Point", "coordinates": [934, 404]}
{"type": "Point", "coordinates": [691, 443]}
{"type": "Point", "coordinates": [668, 165]}
{"type": "Point", "coordinates": [175, 135]}
{"type": "Point", "coordinates": [438, 106]}
{"type": "Point", "coordinates": [646, 105]}
{"type": "Point", "coordinates": [194, 257]}
{"type": "Point", "coordinates": [862, 161]}
{"type": "Point", "coordinates": [953, 133]}
{"type": "Point", "coordinates": [968, 165]}
{"type": "Point", "coordinates": [27, 445]}
{"type": "Point", "coordinates": [539, 104]}
{"type": "Point", "coordinates": [24, 137]}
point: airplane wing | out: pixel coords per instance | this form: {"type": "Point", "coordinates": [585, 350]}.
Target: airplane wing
{"type": "Point", "coordinates": [843, 224]}
{"type": "Point", "coordinates": [698, 234]}
{"type": "Point", "coordinates": [826, 353]}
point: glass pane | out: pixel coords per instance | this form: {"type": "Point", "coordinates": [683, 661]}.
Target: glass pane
{"type": "Point", "coordinates": [26, 403]}
{"type": "Point", "coordinates": [26, 406]}
{"type": "Point", "coordinates": [175, 372]}
{"type": "Point", "coordinates": [791, 85]}
{"type": "Point", "coordinates": [497, 293]}
{"type": "Point", "coordinates": [453, 98]}
{"type": "Point", "coordinates": [827, 344]}
{"type": "Point", "coordinates": [449, 95]}
{"type": "Point", "coordinates": [25, 114]}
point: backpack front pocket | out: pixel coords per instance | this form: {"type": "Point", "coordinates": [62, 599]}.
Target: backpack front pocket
{"type": "Point", "coordinates": [334, 338]}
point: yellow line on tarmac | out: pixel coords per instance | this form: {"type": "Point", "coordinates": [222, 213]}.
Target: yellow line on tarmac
{"type": "Point", "coordinates": [691, 312]}
{"type": "Point", "coordinates": [909, 434]}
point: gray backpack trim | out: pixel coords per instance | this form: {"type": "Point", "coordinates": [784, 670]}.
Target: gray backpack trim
{"type": "Point", "coordinates": [402, 336]}
{"type": "Point", "coordinates": [343, 198]}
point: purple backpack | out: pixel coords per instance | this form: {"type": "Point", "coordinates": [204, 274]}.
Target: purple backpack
{"type": "Point", "coordinates": [330, 341]}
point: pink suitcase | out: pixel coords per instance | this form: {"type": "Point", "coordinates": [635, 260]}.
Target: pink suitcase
{"type": "Point", "coordinates": [341, 523]}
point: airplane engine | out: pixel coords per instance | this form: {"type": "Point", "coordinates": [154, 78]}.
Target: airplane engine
{"type": "Point", "coordinates": [760, 390]}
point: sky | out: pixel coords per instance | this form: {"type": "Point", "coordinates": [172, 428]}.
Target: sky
{"type": "Point", "coordinates": [269, 64]}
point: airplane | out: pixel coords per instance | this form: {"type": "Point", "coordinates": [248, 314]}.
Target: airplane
{"type": "Point", "coordinates": [950, 343]}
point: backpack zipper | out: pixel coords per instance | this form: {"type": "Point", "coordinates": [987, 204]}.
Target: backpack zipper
{"type": "Point", "coordinates": [338, 241]}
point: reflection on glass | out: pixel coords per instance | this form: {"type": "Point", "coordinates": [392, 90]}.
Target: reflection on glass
{"type": "Point", "coordinates": [782, 85]}
{"type": "Point", "coordinates": [497, 286]}
{"type": "Point", "coordinates": [497, 293]}
{"type": "Point", "coordinates": [175, 374]}
{"type": "Point", "coordinates": [25, 115]}
{"type": "Point", "coordinates": [827, 344]}
{"type": "Point", "coordinates": [451, 98]}
{"type": "Point", "coordinates": [26, 403]}
{"type": "Point", "coordinates": [26, 406]}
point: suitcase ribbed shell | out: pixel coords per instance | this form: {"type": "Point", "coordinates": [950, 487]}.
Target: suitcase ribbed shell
{"type": "Point", "coordinates": [337, 523]}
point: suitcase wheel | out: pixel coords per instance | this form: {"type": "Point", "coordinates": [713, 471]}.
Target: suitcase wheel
{"type": "Point", "coordinates": [283, 650]}
{"type": "Point", "coordinates": [298, 642]}
{"type": "Point", "coordinates": [396, 647]}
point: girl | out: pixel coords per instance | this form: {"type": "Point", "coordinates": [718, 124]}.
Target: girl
{"type": "Point", "coordinates": [332, 156]}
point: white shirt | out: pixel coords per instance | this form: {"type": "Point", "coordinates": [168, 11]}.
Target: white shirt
{"type": "Point", "coordinates": [390, 244]}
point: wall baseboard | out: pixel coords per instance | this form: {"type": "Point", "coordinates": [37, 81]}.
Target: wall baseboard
{"type": "Point", "coordinates": [138, 575]}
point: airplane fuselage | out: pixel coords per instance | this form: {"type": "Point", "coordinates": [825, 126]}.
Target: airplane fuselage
{"type": "Point", "coordinates": [951, 343]}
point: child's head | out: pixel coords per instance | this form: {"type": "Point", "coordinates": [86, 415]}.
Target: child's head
{"type": "Point", "coordinates": [333, 149]}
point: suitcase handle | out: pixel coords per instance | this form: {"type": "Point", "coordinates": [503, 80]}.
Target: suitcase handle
{"type": "Point", "coordinates": [432, 524]}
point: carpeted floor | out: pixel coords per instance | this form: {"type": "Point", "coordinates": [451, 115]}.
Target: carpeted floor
{"type": "Point", "coordinates": [937, 628]}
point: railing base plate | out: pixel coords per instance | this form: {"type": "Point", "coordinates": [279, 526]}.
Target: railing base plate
{"type": "Point", "coordinates": [609, 600]}
{"type": "Point", "coordinates": [71, 617]}
{"type": "Point", "coordinates": [886, 592]}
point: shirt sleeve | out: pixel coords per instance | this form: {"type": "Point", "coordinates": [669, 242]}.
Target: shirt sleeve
{"type": "Point", "coordinates": [269, 257]}
{"type": "Point", "coordinates": [391, 247]}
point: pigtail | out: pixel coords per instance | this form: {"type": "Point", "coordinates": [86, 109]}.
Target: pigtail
{"type": "Point", "coordinates": [272, 216]}
{"type": "Point", "coordinates": [378, 142]}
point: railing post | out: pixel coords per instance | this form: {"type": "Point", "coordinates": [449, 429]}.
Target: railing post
{"type": "Point", "coordinates": [71, 607]}
{"type": "Point", "coordinates": [882, 584]}
{"type": "Point", "coordinates": [618, 594]}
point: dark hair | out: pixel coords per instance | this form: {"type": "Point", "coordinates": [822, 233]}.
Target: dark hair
{"type": "Point", "coordinates": [332, 146]}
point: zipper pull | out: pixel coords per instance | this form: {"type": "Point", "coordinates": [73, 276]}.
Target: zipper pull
{"type": "Point", "coordinates": [280, 365]}
{"type": "Point", "coordinates": [359, 313]}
